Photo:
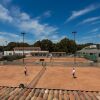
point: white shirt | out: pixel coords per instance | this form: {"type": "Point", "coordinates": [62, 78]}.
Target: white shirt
{"type": "Point", "coordinates": [50, 55]}
{"type": "Point", "coordinates": [73, 71]}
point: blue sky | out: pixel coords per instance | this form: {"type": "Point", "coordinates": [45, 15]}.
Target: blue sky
{"type": "Point", "coordinates": [52, 19]}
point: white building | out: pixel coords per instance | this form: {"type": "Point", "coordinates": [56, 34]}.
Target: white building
{"type": "Point", "coordinates": [35, 51]}
{"type": "Point", "coordinates": [58, 54]}
{"type": "Point", "coordinates": [91, 50]}
{"type": "Point", "coordinates": [1, 54]}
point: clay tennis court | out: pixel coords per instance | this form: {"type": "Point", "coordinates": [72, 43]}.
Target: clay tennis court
{"type": "Point", "coordinates": [14, 75]}
{"type": "Point", "coordinates": [60, 77]}
{"type": "Point", "coordinates": [88, 78]}
{"type": "Point", "coordinates": [55, 59]}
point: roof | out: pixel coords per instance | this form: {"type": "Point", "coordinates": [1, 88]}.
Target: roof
{"type": "Point", "coordinates": [91, 47]}
{"type": "Point", "coordinates": [40, 52]}
{"type": "Point", "coordinates": [1, 52]}
{"type": "Point", "coordinates": [90, 50]}
{"type": "Point", "coordinates": [16, 93]}
{"type": "Point", "coordinates": [27, 48]}
{"type": "Point", "coordinates": [58, 52]}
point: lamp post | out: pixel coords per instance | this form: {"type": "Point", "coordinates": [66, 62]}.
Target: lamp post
{"type": "Point", "coordinates": [3, 47]}
{"type": "Point", "coordinates": [6, 47]}
{"type": "Point", "coordinates": [74, 33]}
{"type": "Point", "coordinates": [23, 34]}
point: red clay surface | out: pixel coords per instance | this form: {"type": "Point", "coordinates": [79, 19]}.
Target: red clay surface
{"type": "Point", "coordinates": [61, 77]}
{"type": "Point", "coordinates": [54, 77]}
{"type": "Point", "coordinates": [57, 59]}
{"type": "Point", "coordinates": [14, 75]}
{"type": "Point", "coordinates": [64, 59]}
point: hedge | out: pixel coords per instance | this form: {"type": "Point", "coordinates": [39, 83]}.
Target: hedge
{"type": "Point", "coordinates": [11, 57]}
{"type": "Point", "coordinates": [91, 57]}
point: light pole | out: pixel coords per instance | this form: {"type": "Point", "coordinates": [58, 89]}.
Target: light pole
{"type": "Point", "coordinates": [74, 33]}
{"type": "Point", "coordinates": [23, 34]}
{"type": "Point", "coordinates": [3, 47]}
{"type": "Point", "coordinates": [6, 47]}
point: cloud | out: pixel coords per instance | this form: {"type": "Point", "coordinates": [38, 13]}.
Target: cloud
{"type": "Point", "coordinates": [4, 14]}
{"type": "Point", "coordinates": [47, 13]}
{"type": "Point", "coordinates": [94, 30]}
{"type": "Point", "coordinates": [96, 22]}
{"type": "Point", "coordinates": [81, 12]}
{"type": "Point", "coordinates": [9, 37]}
{"type": "Point", "coordinates": [7, 34]}
{"type": "Point", "coordinates": [88, 20]}
{"type": "Point", "coordinates": [23, 22]}
{"type": "Point", "coordinates": [14, 35]}
{"type": "Point", "coordinates": [36, 28]}
{"type": "Point", "coordinates": [2, 39]}
{"type": "Point", "coordinates": [91, 38]}
{"type": "Point", "coordinates": [56, 37]}
{"type": "Point", "coordinates": [24, 16]}
{"type": "Point", "coordinates": [5, 2]}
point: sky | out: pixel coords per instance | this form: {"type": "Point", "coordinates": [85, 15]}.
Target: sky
{"type": "Point", "coordinates": [52, 19]}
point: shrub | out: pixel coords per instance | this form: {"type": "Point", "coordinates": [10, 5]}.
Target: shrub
{"type": "Point", "coordinates": [91, 57]}
{"type": "Point", "coordinates": [21, 86]}
{"type": "Point", "coordinates": [11, 57]}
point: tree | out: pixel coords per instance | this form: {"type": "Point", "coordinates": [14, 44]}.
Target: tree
{"type": "Point", "coordinates": [11, 45]}
{"type": "Point", "coordinates": [37, 44]}
{"type": "Point", "coordinates": [81, 46]}
{"type": "Point", "coordinates": [1, 48]}
{"type": "Point", "coordinates": [71, 45]}
{"type": "Point", "coordinates": [62, 45]}
{"type": "Point", "coordinates": [46, 45]}
{"type": "Point", "coordinates": [65, 45]}
{"type": "Point", "coordinates": [55, 47]}
{"type": "Point", "coordinates": [21, 44]}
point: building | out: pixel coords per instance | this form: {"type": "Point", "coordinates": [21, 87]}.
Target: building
{"type": "Point", "coordinates": [40, 53]}
{"type": "Point", "coordinates": [1, 54]}
{"type": "Point", "coordinates": [35, 51]}
{"type": "Point", "coordinates": [16, 93]}
{"type": "Point", "coordinates": [58, 54]}
{"type": "Point", "coordinates": [27, 49]}
{"type": "Point", "coordinates": [91, 51]}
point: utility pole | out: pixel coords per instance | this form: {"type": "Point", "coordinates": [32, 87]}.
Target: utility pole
{"type": "Point", "coordinates": [6, 47]}
{"type": "Point", "coordinates": [74, 33]}
{"type": "Point", "coordinates": [23, 34]}
{"type": "Point", "coordinates": [3, 48]}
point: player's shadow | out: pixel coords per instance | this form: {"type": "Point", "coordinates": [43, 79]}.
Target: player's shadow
{"type": "Point", "coordinates": [74, 77]}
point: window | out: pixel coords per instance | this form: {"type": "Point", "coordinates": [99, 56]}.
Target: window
{"type": "Point", "coordinates": [99, 54]}
{"type": "Point", "coordinates": [91, 53]}
{"type": "Point", "coordinates": [10, 53]}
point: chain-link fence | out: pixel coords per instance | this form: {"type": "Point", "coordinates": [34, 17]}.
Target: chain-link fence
{"type": "Point", "coordinates": [52, 63]}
